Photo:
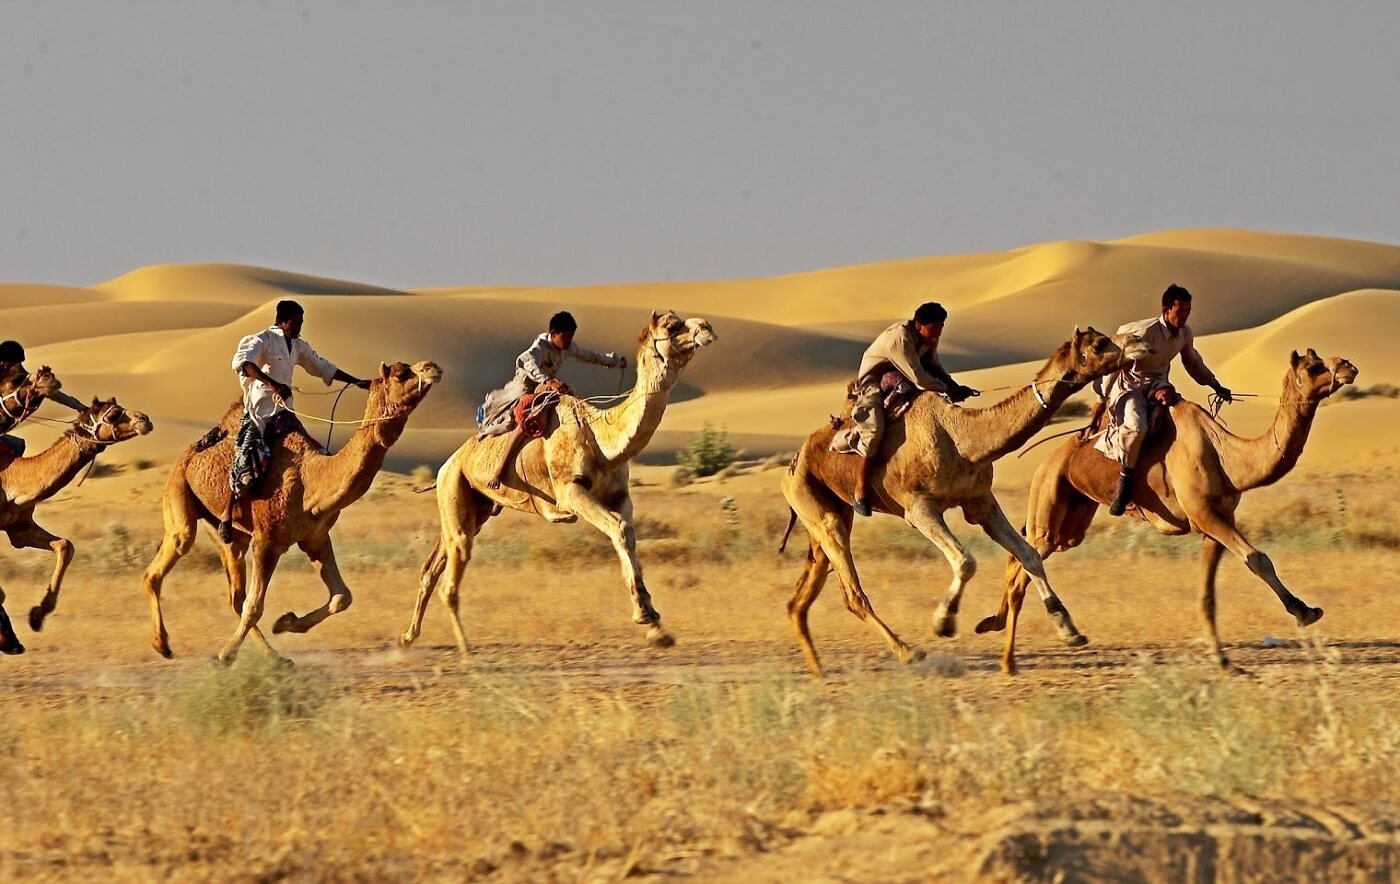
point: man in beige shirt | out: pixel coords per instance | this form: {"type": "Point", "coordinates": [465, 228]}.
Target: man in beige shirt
{"type": "Point", "coordinates": [1128, 390]}
{"type": "Point", "coordinates": [905, 350]}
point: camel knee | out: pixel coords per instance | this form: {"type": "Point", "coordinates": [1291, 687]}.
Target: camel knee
{"type": "Point", "coordinates": [341, 601]}
{"type": "Point", "coordinates": [64, 548]}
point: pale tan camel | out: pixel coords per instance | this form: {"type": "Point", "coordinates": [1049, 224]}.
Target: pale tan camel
{"type": "Point", "coordinates": [297, 502]}
{"type": "Point", "coordinates": [1189, 478]}
{"type": "Point", "coordinates": [26, 482]}
{"type": "Point", "coordinates": [938, 457]}
{"type": "Point", "coordinates": [579, 469]}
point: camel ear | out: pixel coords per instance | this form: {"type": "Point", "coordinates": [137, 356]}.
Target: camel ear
{"type": "Point", "coordinates": [1076, 331]}
{"type": "Point", "coordinates": [96, 402]}
{"type": "Point", "coordinates": [655, 315]}
{"type": "Point", "coordinates": [1294, 359]}
{"type": "Point", "coordinates": [384, 370]}
{"type": "Point", "coordinates": [1313, 353]}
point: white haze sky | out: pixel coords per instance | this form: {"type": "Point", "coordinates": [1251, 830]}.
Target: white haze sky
{"type": "Point", "coordinates": [415, 144]}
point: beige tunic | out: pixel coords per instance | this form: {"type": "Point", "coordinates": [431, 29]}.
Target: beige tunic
{"type": "Point", "coordinates": [540, 362]}
{"type": "Point", "coordinates": [897, 348]}
{"type": "Point", "coordinates": [1126, 390]}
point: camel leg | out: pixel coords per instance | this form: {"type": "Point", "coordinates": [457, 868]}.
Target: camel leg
{"type": "Point", "coordinates": [232, 555]}
{"type": "Point", "coordinates": [989, 515]}
{"type": "Point", "coordinates": [265, 558]}
{"type": "Point", "coordinates": [461, 513]}
{"type": "Point", "coordinates": [338, 597]}
{"type": "Point", "coordinates": [924, 515]}
{"type": "Point", "coordinates": [616, 525]}
{"type": "Point", "coordinates": [809, 586]}
{"type": "Point", "coordinates": [9, 642]}
{"type": "Point", "coordinates": [830, 528]}
{"type": "Point", "coordinates": [31, 536]}
{"type": "Point", "coordinates": [179, 513]}
{"type": "Point", "coordinates": [1220, 524]}
{"type": "Point", "coordinates": [1211, 551]}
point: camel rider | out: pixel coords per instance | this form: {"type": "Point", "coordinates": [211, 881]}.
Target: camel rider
{"type": "Point", "coordinates": [264, 364]}
{"type": "Point", "coordinates": [12, 363]}
{"type": "Point", "coordinates": [536, 369]}
{"type": "Point", "coordinates": [1127, 391]}
{"type": "Point", "coordinates": [909, 350]}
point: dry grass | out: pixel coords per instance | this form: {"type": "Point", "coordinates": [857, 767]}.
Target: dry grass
{"type": "Point", "coordinates": [275, 772]}
{"type": "Point", "coordinates": [515, 766]}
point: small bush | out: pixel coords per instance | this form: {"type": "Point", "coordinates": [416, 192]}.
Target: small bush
{"type": "Point", "coordinates": [422, 474]}
{"type": "Point", "coordinates": [708, 453]}
{"type": "Point", "coordinates": [142, 464]}
{"type": "Point", "coordinates": [102, 469]}
{"type": "Point", "coordinates": [680, 478]}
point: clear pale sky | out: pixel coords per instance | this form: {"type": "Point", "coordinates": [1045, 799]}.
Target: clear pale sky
{"type": "Point", "coordinates": [416, 144]}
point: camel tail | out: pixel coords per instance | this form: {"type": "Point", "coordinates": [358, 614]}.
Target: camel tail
{"type": "Point", "coordinates": [424, 489]}
{"type": "Point", "coordinates": [792, 520]}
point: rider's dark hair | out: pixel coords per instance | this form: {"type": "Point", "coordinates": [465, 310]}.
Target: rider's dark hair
{"type": "Point", "coordinates": [931, 313]}
{"type": "Point", "coordinates": [563, 321]}
{"type": "Point", "coordinates": [11, 352]}
{"type": "Point", "coordinates": [288, 309]}
{"type": "Point", "coordinates": [1173, 294]}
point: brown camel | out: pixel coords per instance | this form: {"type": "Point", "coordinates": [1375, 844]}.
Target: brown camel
{"type": "Point", "coordinates": [21, 393]}
{"type": "Point", "coordinates": [938, 457]}
{"type": "Point", "coordinates": [1189, 478]}
{"type": "Point", "coordinates": [296, 504]}
{"type": "Point", "coordinates": [579, 469]}
{"type": "Point", "coordinates": [26, 482]}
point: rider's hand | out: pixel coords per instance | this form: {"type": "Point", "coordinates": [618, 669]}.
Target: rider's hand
{"type": "Point", "coordinates": [283, 391]}
{"type": "Point", "coordinates": [622, 362]}
{"type": "Point", "coordinates": [1224, 393]}
{"type": "Point", "coordinates": [1164, 395]}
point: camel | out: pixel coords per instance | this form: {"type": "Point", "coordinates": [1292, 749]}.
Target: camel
{"type": "Point", "coordinates": [939, 456]}
{"type": "Point", "coordinates": [26, 482]}
{"type": "Point", "coordinates": [578, 469]}
{"type": "Point", "coordinates": [21, 393]}
{"type": "Point", "coordinates": [297, 502]}
{"type": "Point", "coordinates": [1189, 478]}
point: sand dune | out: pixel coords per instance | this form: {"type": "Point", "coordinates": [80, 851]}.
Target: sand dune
{"type": "Point", "coordinates": [161, 337]}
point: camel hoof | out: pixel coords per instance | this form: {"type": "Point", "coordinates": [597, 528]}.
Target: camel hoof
{"type": "Point", "coordinates": [403, 642]}
{"type": "Point", "coordinates": [1077, 640]}
{"type": "Point", "coordinates": [162, 649]}
{"type": "Point", "coordinates": [1309, 616]}
{"type": "Point", "coordinates": [660, 638]}
{"type": "Point", "coordinates": [36, 618]}
{"type": "Point", "coordinates": [12, 648]}
{"type": "Point", "coordinates": [990, 624]}
{"type": "Point", "coordinates": [915, 655]}
{"type": "Point", "coordinates": [945, 625]}
{"type": "Point", "coordinates": [285, 623]}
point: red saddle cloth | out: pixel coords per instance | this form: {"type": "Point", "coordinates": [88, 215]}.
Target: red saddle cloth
{"type": "Point", "coordinates": [531, 413]}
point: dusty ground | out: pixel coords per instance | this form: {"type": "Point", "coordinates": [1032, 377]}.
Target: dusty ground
{"type": "Point", "coordinates": [544, 605]}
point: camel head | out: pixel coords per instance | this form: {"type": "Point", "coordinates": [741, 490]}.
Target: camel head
{"type": "Point", "coordinates": [400, 387]}
{"type": "Point", "coordinates": [21, 392]}
{"type": "Point", "coordinates": [106, 422]}
{"type": "Point", "coordinates": [1311, 378]}
{"type": "Point", "coordinates": [672, 340]}
{"type": "Point", "coordinates": [1091, 353]}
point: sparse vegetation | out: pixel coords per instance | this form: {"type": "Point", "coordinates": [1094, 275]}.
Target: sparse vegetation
{"type": "Point", "coordinates": [708, 453]}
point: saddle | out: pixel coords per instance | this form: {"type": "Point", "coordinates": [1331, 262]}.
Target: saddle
{"type": "Point", "coordinates": [532, 411]}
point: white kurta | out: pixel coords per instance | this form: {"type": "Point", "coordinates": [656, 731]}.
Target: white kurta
{"type": "Point", "coordinates": [268, 350]}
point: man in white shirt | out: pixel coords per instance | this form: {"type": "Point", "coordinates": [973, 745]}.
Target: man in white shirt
{"type": "Point", "coordinates": [264, 363]}
{"type": "Point", "coordinates": [1127, 390]}
{"type": "Point", "coordinates": [536, 368]}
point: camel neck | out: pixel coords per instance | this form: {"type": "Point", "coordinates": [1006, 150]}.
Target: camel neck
{"type": "Point", "coordinates": [623, 431]}
{"type": "Point", "coordinates": [995, 431]}
{"type": "Point", "coordinates": [342, 478]}
{"type": "Point", "coordinates": [32, 479]}
{"type": "Point", "coordinates": [1268, 457]}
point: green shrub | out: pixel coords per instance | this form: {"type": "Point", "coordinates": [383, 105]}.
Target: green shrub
{"type": "Point", "coordinates": [708, 453]}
